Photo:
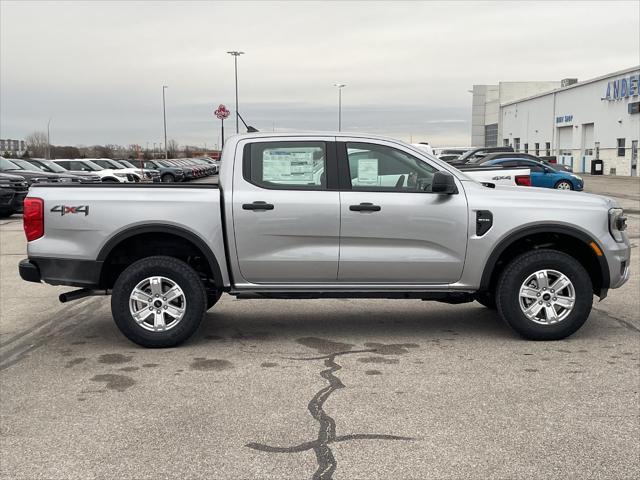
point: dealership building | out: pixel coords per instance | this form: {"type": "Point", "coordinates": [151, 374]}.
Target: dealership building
{"type": "Point", "coordinates": [577, 122]}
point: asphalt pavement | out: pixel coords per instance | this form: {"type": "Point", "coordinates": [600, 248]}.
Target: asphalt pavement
{"type": "Point", "coordinates": [295, 389]}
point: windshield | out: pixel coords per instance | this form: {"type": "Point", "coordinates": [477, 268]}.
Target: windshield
{"type": "Point", "coordinates": [126, 164]}
{"type": "Point", "coordinates": [8, 165]}
{"type": "Point", "coordinates": [164, 164]}
{"type": "Point", "coordinates": [92, 166]}
{"type": "Point", "coordinates": [49, 166]}
{"type": "Point", "coordinates": [104, 163]}
{"type": "Point", "coordinates": [26, 165]}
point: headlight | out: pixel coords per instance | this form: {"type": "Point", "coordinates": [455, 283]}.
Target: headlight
{"type": "Point", "coordinates": [66, 180]}
{"type": "Point", "coordinates": [617, 224]}
{"type": "Point", "coordinates": [118, 174]}
{"type": "Point", "coordinates": [577, 177]}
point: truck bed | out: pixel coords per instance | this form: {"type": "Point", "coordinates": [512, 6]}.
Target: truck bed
{"type": "Point", "coordinates": [75, 216]}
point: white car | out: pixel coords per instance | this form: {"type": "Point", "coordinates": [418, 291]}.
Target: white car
{"type": "Point", "coordinates": [138, 174]}
{"type": "Point", "coordinates": [495, 175]}
{"type": "Point", "coordinates": [80, 165]}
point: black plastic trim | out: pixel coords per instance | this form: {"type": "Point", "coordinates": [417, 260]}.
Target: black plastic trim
{"type": "Point", "coordinates": [114, 241]}
{"type": "Point", "coordinates": [344, 176]}
{"type": "Point", "coordinates": [63, 271]}
{"type": "Point", "coordinates": [531, 230]}
{"type": "Point", "coordinates": [28, 271]}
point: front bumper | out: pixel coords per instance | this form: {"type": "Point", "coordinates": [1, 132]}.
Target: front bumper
{"type": "Point", "coordinates": [6, 197]}
{"type": "Point", "coordinates": [618, 257]}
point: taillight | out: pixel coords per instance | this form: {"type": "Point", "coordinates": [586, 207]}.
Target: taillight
{"type": "Point", "coordinates": [523, 180]}
{"type": "Point", "coordinates": [33, 218]}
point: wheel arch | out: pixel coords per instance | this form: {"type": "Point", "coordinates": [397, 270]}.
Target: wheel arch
{"type": "Point", "coordinates": [167, 232]}
{"type": "Point", "coordinates": [564, 238]}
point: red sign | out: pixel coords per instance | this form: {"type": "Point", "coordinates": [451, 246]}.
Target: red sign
{"type": "Point", "coordinates": [222, 112]}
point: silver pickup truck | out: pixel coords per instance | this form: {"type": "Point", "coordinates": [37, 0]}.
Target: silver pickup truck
{"type": "Point", "coordinates": [326, 215]}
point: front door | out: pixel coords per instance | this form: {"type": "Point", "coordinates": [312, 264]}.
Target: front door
{"type": "Point", "coordinates": [393, 229]}
{"type": "Point", "coordinates": [286, 221]}
{"type": "Point", "coordinates": [634, 158]}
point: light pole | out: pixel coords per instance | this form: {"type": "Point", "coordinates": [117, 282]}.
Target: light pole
{"type": "Point", "coordinates": [48, 140]}
{"type": "Point", "coordinates": [340, 86]}
{"type": "Point", "coordinates": [164, 116]}
{"type": "Point", "coordinates": [236, 54]}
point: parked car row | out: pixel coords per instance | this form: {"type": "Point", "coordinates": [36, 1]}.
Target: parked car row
{"type": "Point", "coordinates": [183, 169]}
{"type": "Point", "coordinates": [543, 173]}
{"type": "Point", "coordinates": [17, 175]}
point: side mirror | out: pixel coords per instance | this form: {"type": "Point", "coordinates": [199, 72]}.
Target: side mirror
{"type": "Point", "coordinates": [443, 182]}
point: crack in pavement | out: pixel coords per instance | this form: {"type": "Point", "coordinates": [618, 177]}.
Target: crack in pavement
{"type": "Point", "coordinates": [327, 426]}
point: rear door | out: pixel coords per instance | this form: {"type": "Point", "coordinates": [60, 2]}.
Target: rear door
{"type": "Point", "coordinates": [286, 219]}
{"type": "Point", "coordinates": [393, 229]}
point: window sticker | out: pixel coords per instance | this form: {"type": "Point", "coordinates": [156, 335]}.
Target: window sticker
{"type": "Point", "coordinates": [367, 171]}
{"type": "Point", "coordinates": [282, 165]}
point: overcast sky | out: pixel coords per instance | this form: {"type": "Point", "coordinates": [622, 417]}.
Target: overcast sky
{"type": "Point", "coordinates": [97, 68]}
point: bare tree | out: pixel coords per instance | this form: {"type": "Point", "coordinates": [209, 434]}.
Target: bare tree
{"type": "Point", "coordinates": [37, 143]}
{"type": "Point", "coordinates": [103, 151]}
{"type": "Point", "coordinates": [172, 148]}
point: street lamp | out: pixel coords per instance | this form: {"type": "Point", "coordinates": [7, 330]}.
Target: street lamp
{"type": "Point", "coordinates": [339, 86]}
{"type": "Point", "coordinates": [164, 116]}
{"type": "Point", "coordinates": [236, 54]}
{"type": "Point", "coordinates": [48, 140]}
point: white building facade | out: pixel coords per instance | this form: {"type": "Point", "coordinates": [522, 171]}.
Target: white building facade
{"type": "Point", "coordinates": [597, 118]}
{"type": "Point", "coordinates": [485, 110]}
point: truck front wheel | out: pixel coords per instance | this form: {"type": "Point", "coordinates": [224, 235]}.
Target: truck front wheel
{"type": "Point", "coordinates": [544, 295]}
{"type": "Point", "coordinates": [158, 302]}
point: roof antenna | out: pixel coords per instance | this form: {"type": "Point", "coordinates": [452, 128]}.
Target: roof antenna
{"type": "Point", "coordinates": [249, 128]}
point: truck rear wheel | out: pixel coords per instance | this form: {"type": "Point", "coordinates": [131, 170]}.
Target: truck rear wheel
{"type": "Point", "coordinates": [544, 295]}
{"type": "Point", "coordinates": [158, 302]}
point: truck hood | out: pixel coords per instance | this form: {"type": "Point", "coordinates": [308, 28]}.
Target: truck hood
{"type": "Point", "coordinates": [550, 196]}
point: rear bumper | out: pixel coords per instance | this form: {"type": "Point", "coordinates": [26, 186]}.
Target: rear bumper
{"type": "Point", "coordinates": [61, 271]}
{"type": "Point", "coordinates": [28, 271]}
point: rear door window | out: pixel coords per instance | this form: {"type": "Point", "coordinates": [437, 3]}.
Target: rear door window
{"type": "Point", "coordinates": [286, 165]}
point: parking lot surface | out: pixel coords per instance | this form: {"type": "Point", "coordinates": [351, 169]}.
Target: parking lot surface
{"type": "Point", "coordinates": [371, 389]}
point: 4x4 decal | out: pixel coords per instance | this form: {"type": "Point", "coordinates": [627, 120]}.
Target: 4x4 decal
{"type": "Point", "coordinates": [65, 209]}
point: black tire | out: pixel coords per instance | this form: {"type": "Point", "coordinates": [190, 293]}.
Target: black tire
{"type": "Point", "coordinates": [168, 178]}
{"type": "Point", "coordinates": [110, 180]}
{"type": "Point", "coordinates": [5, 213]}
{"type": "Point", "coordinates": [515, 274]}
{"type": "Point", "coordinates": [558, 186]}
{"type": "Point", "coordinates": [180, 273]}
{"type": "Point", "coordinates": [487, 299]}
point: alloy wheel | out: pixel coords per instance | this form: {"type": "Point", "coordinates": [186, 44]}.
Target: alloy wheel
{"type": "Point", "coordinates": [157, 304]}
{"type": "Point", "coordinates": [547, 297]}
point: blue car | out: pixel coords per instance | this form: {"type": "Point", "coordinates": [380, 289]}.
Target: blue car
{"type": "Point", "coordinates": [542, 175]}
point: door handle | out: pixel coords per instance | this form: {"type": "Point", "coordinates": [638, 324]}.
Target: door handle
{"type": "Point", "coordinates": [365, 207]}
{"type": "Point", "coordinates": [259, 205]}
